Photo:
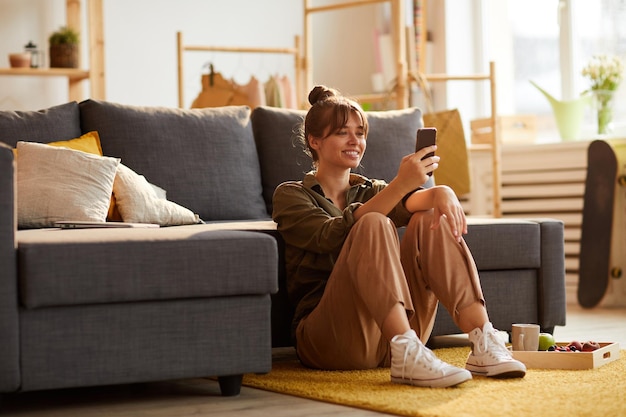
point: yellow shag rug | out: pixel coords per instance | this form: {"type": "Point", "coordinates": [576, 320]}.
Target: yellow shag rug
{"type": "Point", "coordinates": [541, 393]}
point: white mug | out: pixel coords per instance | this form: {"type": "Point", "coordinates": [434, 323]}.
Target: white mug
{"type": "Point", "coordinates": [525, 337]}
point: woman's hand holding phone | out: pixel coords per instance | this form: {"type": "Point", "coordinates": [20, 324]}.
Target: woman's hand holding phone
{"type": "Point", "coordinates": [426, 137]}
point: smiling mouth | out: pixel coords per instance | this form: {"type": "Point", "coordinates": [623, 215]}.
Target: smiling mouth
{"type": "Point", "coordinates": [354, 154]}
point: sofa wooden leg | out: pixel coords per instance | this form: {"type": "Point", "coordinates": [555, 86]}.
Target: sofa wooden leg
{"type": "Point", "coordinates": [230, 385]}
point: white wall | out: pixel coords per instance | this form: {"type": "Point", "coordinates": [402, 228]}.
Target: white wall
{"type": "Point", "coordinates": [343, 46]}
{"type": "Point", "coordinates": [140, 45]}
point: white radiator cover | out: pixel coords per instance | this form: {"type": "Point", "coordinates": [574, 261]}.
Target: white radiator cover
{"type": "Point", "coordinates": [538, 180]}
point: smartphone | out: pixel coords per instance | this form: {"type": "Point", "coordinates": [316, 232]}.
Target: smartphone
{"type": "Point", "coordinates": [426, 136]}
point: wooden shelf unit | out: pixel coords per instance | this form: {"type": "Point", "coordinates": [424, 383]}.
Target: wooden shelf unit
{"type": "Point", "coordinates": [76, 76]}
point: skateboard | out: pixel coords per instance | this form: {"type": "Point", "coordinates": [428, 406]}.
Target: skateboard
{"type": "Point", "coordinates": [603, 234]}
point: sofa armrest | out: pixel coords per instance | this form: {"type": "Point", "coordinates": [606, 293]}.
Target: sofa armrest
{"type": "Point", "coordinates": [550, 258]}
{"type": "Point", "coordinates": [551, 286]}
{"type": "Point", "coordinates": [9, 348]}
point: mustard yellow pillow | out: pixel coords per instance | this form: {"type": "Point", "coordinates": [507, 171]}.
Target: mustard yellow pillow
{"type": "Point", "coordinates": [89, 142]}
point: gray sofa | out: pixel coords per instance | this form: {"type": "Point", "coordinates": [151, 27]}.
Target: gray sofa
{"type": "Point", "coordinates": [94, 307]}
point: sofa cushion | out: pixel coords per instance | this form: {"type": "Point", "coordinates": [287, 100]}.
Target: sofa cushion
{"type": "Point", "coordinates": [55, 183]}
{"type": "Point", "coordinates": [281, 155]}
{"type": "Point", "coordinates": [504, 244]}
{"type": "Point", "coordinates": [55, 123]}
{"type": "Point", "coordinates": [391, 136]}
{"type": "Point", "coordinates": [510, 293]}
{"type": "Point", "coordinates": [205, 159]}
{"type": "Point", "coordinates": [91, 266]}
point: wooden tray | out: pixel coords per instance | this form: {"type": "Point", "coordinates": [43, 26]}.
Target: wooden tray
{"type": "Point", "coordinates": [608, 352]}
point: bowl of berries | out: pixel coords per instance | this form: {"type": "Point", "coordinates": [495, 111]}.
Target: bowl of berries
{"type": "Point", "coordinates": [575, 346]}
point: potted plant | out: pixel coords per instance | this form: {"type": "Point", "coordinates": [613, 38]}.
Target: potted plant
{"type": "Point", "coordinates": [64, 48]}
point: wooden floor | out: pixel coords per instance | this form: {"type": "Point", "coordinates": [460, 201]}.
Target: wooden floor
{"type": "Point", "coordinates": [201, 397]}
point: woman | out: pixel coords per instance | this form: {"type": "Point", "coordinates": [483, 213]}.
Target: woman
{"type": "Point", "coordinates": [362, 298]}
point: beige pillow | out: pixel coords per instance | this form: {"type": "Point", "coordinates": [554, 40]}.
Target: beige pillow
{"type": "Point", "coordinates": [61, 184]}
{"type": "Point", "coordinates": [138, 202]}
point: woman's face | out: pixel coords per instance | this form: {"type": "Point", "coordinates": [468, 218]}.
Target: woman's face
{"type": "Point", "coordinates": [343, 148]}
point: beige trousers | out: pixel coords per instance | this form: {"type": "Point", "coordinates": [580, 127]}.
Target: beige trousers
{"type": "Point", "coordinates": [373, 273]}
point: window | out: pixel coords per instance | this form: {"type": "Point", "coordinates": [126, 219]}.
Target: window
{"type": "Point", "coordinates": [547, 41]}
{"type": "Point", "coordinates": [552, 41]}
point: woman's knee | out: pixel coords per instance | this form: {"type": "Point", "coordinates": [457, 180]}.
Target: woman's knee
{"type": "Point", "coordinates": [423, 220]}
{"type": "Point", "coordinates": [423, 216]}
{"type": "Point", "coordinates": [375, 224]}
{"type": "Point", "coordinates": [374, 219]}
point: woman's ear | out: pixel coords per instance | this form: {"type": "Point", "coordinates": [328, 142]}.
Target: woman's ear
{"type": "Point", "coordinates": [313, 142]}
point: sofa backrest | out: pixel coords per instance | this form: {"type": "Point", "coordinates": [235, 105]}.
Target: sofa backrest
{"type": "Point", "coordinates": [50, 125]}
{"type": "Point", "coordinates": [281, 156]}
{"type": "Point", "coordinates": [205, 159]}
{"type": "Point", "coordinates": [391, 136]}
{"type": "Point", "coordinates": [221, 163]}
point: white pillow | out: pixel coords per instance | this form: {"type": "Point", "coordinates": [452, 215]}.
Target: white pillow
{"type": "Point", "coordinates": [138, 202]}
{"type": "Point", "coordinates": [61, 184]}
{"type": "Point", "coordinates": [160, 192]}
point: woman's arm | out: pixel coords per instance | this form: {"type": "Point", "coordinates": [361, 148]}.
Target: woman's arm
{"type": "Point", "coordinates": [412, 174]}
{"type": "Point", "coordinates": [308, 221]}
{"type": "Point", "coordinates": [442, 199]}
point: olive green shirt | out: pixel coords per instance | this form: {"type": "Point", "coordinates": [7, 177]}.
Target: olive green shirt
{"type": "Point", "coordinates": [314, 230]}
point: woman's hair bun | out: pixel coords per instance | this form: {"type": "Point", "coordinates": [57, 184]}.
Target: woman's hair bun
{"type": "Point", "coordinates": [321, 93]}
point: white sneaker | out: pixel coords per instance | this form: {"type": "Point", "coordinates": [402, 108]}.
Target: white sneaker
{"type": "Point", "coordinates": [413, 363]}
{"type": "Point", "coordinates": [490, 357]}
